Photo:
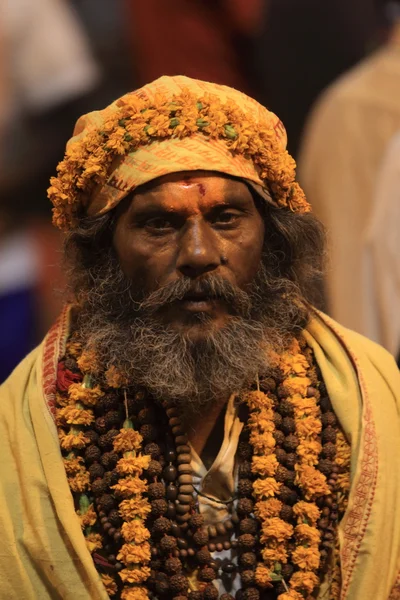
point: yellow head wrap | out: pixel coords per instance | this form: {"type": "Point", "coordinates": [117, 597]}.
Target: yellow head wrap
{"type": "Point", "coordinates": [172, 124]}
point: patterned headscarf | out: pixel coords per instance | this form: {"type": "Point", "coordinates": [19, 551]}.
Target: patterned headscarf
{"type": "Point", "coordinates": [170, 125]}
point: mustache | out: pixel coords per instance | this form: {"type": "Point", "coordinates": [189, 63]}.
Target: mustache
{"type": "Point", "coordinates": [209, 286]}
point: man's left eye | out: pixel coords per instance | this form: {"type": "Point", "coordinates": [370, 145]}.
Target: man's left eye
{"type": "Point", "coordinates": [226, 217]}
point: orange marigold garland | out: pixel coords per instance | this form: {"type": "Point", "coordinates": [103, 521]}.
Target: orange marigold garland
{"type": "Point", "coordinates": [291, 526]}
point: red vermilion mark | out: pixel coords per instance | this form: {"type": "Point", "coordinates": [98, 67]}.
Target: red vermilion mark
{"type": "Point", "coordinates": [202, 188]}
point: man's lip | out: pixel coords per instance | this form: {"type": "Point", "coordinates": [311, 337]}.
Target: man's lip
{"type": "Point", "coordinates": [197, 303]}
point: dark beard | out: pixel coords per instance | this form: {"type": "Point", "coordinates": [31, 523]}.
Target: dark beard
{"type": "Point", "coordinates": [120, 323]}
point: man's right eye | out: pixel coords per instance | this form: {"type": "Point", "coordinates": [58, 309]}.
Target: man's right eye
{"type": "Point", "coordinates": [158, 223]}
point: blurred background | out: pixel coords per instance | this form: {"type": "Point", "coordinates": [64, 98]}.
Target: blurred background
{"type": "Point", "coordinates": [331, 71]}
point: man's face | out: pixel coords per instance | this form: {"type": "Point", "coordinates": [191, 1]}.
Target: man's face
{"type": "Point", "coordinates": [191, 225]}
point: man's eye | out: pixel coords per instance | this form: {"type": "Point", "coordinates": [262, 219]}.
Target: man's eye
{"type": "Point", "coordinates": [158, 223]}
{"type": "Point", "coordinates": [226, 217]}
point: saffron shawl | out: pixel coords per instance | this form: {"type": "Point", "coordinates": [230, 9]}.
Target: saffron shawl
{"type": "Point", "coordinates": [43, 552]}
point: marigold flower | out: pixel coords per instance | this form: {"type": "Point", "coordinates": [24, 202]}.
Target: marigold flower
{"type": "Point", "coordinates": [127, 440]}
{"type": "Point", "coordinates": [263, 576]}
{"type": "Point", "coordinates": [134, 553]}
{"type": "Point", "coordinates": [309, 451]}
{"type": "Point", "coordinates": [263, 420]}
{"type": "Point", "coordinates": [74, 348]}
{"type": "Point", "coordinates": [276, 528]}
{"type": "Point", "coordinates": [264, 488]}
{"type": "Point", "coordinates": [304, 406]}
{"type": "Point", "coordinates": [257, 400]}
{"type": "Point", "coordinates": [297, 385]}
{"type": "Point", "coordinates": [304, 580]}
{"type": "Point", "coordinates": [73, 415]}
{"type": "Point", "coordinates": [134, 593]}
{"type": "Point", "coordinates": [88, 396]}
{"type": "Point", "coordinates": [307, 511]}
{"type": "Point", "coordinates": [79, 482]}
{"type": "Point", "coordinates": [88, 518]}
{"type": "Point", "coordinates": [129, 486]}
{"type": "Point", "coordinates": [312, 482]}
{"type": "Point", "coordinates": [133, 465]}
{"type": "Point", "coordinates": [109, 584]}
{"type": "Point", "coordinates": [134, 507]}
{"type": "Point", "coordinates": [306, 558]}
{"type": "Point", "coordinates": [115, 379]}
{"type": "Point", "coordinates": [307, 534]}
{"type": "Point", "coordinates": [93, 541]}
{"type": "Point", "coordinates": [135, 531]}
{"type": "Point", "coordinates": [262, 443]}
{"type": "Point", "coordinates": [273, 555]}
{"type": "Point", "coordinates": [267, 508]}
{"type": "Point", "coordinates": [88, 362]}
{"type": "Point", "coordinates": [264, 465]}
{"type": "Point", "coordinates": [73, 464]}
{"type": "Point", "coordinates": [135, 575]}
{"type": "Point", "coordinates": [69, 441]}
{"type": "Point", "coordinates": [308, 426]}
{"type": "Point", "coordinates": [290, 595]}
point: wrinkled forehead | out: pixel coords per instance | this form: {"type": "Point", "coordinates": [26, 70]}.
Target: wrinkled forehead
{"type": "Point", "coordinates": [191, 189]}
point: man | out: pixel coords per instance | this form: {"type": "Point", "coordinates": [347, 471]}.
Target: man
{"type": "Point", "coordinates": [191, 427]}
{"type": "Point", "coordinates": [344, 144]}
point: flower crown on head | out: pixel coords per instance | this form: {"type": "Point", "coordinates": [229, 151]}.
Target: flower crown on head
{"type": "Point", "coordinates": [96, 160]}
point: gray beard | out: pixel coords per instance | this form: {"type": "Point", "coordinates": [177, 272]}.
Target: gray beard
{"type": "Point", "coordinates": [121, 326]}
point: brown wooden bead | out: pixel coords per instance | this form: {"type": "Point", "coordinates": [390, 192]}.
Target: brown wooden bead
{"type": "Point", "coordinates": [183, 553]}
{"type": "Point", "coordinates": [171, 510]}
{"type": "Point", "coordinates": [226, 545]}
{"type": "Point", "coordinates": [184, 468]}
{"type": "Point", "coordinates": [186, 489]}
{"type": "Point", "coordinates": [182, 509]}
{"type": "Point", "coordinates": [174, 421]}
{"type": "Point", "coordinates": [176, 530]}
{"type": "Point", "coordinates": [183, 449]}
{"type": "Point", "coordinates": [228, 525]}
{"type": "Point", "coordinates": [178, 430]}
{"type": "Point", "coordinates": [191, 552]}
{"type": "Point", "coordinates": [170, 473]}
{"type": "Point", "coordinates": [220, 527]}
{"type": "Point", "coordinates": [212, 531]}
{"type": "Point", "coordinates": [171, 492]}
{"type": "Point", "coordinates": [185, 498]}
{"type": "Point", "coordinates": [185, 479]}
{"type": "Point", "coordinates": [211, 547]}
{"type": "Point", "coordinates": [219, 547]}
{"type": "Point", "coordinates": [117, 536]}
{"type": "Point", "coordinates": [171, 412]}
{"type": "Point", "coordinates": [184, 459]}
{"type": "Point", "coordinates": [182, 543]}
{"type": "Point", "coordinates": [183, 518]}
{"type": "Point", "coordinates": [181, 440]}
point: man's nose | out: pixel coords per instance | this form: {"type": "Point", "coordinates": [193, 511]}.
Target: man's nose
{"type": "Point", "coordinates": [198, 250]}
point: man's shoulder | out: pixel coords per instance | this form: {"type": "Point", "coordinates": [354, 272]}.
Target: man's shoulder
{"type": "Point", "coordinates": [358, 344]}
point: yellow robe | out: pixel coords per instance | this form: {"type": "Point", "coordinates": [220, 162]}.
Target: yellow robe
{"type": "Point", "coordinates": [43, 554]}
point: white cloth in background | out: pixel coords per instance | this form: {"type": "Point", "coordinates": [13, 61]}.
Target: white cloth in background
{"type": "Point", "coordinates": [381, 266]}
{"type": "Point", "coordinates": [344, 143]}
{"type": "Point", "coordinates": [48, 60]}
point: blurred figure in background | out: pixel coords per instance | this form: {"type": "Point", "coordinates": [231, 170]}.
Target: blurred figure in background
{"type": "Point", "coordinates": [207, 40]}
{"type": "Point", "coordinates": [344, 143]}
{"type": "Point", "coordinates": [46, 68]}
{"type": "Point", "coordinates": [381, 258]}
